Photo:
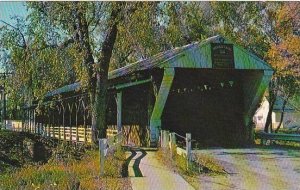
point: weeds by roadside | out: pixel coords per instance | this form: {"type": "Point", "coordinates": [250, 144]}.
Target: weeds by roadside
{"type": "Point", "coordinates": [192, 171]}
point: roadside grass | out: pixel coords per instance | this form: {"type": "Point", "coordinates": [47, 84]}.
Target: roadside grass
{"type": "Point", "coordinates": [191, 172]}
{"type": "Point", "coordinates": [69, 173]}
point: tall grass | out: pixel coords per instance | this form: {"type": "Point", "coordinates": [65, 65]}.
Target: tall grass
{"type": "Point", "coordinates": [68, 174]}
{"type": "Point", "coordinates": [192, 171]}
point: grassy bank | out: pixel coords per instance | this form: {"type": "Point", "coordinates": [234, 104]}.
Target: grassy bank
{"type": "Point", "coordinates": [71, 174]}
{"type": "Point", "coordinates": [68, 167]}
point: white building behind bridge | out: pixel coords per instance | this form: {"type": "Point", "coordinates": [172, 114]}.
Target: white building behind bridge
{"type": "Point", "coordinates": [291, 118]}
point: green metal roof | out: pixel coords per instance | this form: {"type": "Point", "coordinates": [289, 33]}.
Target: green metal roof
{"type": "Point", "coordinates": [67, 88]}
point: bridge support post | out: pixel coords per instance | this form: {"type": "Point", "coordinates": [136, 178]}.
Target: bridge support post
{"type": "Point", "coordinates": [119, 111]}
{"type": "Point", "coordinates": [161, 99]}
{"type": "Point", "coordinates": [258, 84]}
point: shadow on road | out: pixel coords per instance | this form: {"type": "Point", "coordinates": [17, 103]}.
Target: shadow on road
{"type": "Point", "coordinates": [137, 161]}
{"type": "Point", "coordinates": [136, 168]}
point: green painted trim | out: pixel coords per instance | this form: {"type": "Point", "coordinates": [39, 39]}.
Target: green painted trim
{"type": "Point", "coordinates": [126, 85]}
{"type": "Point", "coordinates": [155, 121]}
{"type": "Point", "coordinates": [259, 92]}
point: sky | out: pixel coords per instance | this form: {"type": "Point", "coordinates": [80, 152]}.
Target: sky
{"type": "Point", "coordinates": [9, 9]}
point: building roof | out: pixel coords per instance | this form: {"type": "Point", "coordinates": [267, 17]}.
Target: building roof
{"type": "Point", "coordinates": [194, 55]}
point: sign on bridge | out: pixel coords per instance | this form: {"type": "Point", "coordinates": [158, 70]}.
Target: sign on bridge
{"type": "Point", "coordinates": [222, 56]}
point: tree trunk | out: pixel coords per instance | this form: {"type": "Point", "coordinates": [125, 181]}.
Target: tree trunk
{"type": "Point", "coordinates": [97, 88]}
{"type": "Point", "coordinates": [82, 37]}
{"type": "Point", "coordinates": [272, 100]}
{"type": "Point", "coordinates": [269, 116]}
{"type": "Point", "coordinates": [102, 71]}
{"type": "Point", "coordinates": [281, 116]}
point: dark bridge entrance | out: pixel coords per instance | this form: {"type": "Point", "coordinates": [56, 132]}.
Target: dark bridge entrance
{"type": "Point", "coordinates": [208, 103]}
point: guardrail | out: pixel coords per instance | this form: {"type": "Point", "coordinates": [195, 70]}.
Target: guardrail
{"type": "Point", "coordinates": [168, 140]}
{"type": "Point", "coordinates": [276, 136]}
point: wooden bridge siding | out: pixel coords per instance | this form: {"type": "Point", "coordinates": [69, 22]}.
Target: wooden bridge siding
{"type": "Point", "coordinates": [74, 134]}
{"type": "Point", "coordinates": [134, 135]}
{"type": "Point", "coordinates": [57, 121]}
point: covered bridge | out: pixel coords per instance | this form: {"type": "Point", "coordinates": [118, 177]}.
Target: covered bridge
{"type": "Point", "coordinates": [210, 89]}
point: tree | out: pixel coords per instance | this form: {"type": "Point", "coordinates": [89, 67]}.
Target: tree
{"type": "Point", "coordinates": [284, 55]}
{"type": "Point", "coordinates": [30, 64]}
{"type": "Point", "coordinates": [79, 23]}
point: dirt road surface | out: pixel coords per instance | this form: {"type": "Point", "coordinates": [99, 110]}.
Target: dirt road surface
{"type": "Point", "coordinates": [254, 168]}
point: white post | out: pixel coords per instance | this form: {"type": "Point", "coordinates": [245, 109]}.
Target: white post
{"type": "Point", "coordinates": [188, 147]}
{"type": "Point", "coordinates": [102, 156]}
{"type": "Point", "coordinates": [162, 138]}
{"type": "Point", "coordinates": [166, 139]}
{"type": "Point", "coordinates": [173, 140]}
{"type": "Point", "coordinates": [172, 143]}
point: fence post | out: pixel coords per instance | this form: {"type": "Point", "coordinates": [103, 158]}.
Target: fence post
{"type": "Point", "coordinates": [53, 130]}
{"type": "Point", "coordinates": [48, 134]}
{"type": "Point", "coordinates": [38, 128]}
{"type": "Point", "coordinates": [59, 132]}
{"type": "Point", "coordinates": [71, 133]}
{"type": "Point", "coordinates": [77, 137]}
{"type": "Point", "coordinates": [188, 147]}
{"type": "Point", "coordinates": [161, 138]}
{"type": "Point", "coordinates": [84, 132]}
{"type": "Point", "coordinates": [166, 138]}
{"type": "Point", "coordinates": [172, 144]}
{"type": "Point", "coordinates": [102, 156]}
